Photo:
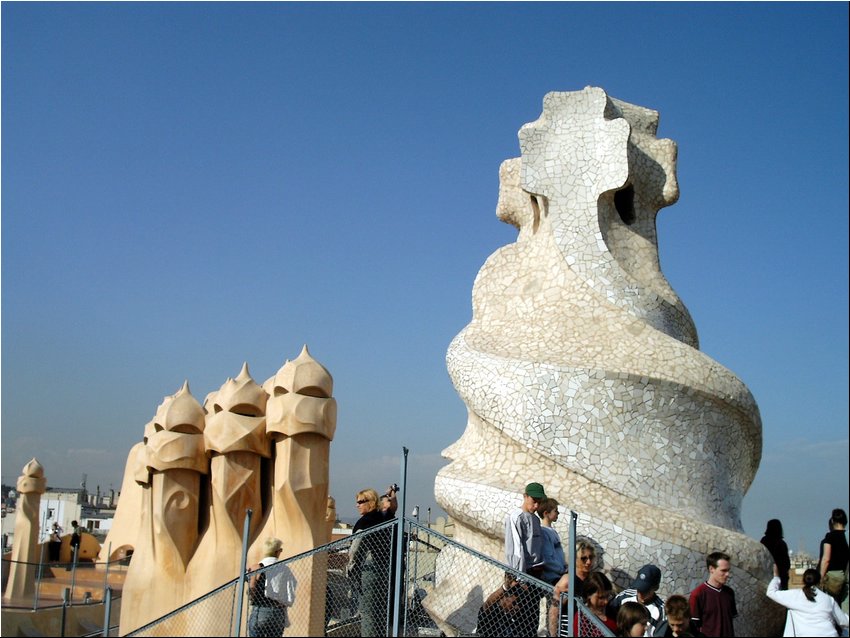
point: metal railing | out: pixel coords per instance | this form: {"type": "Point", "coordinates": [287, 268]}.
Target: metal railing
{"type": "Point", "coordinates": [355, 588]}
{"type": "Point", "coordinates": [86, 581]}
{"type": "Point", "coordinates": [81, 583]}
{"type": "Point", "coordinates": [65, 586]}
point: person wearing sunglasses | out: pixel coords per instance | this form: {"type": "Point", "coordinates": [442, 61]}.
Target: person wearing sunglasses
{"type": "Point", "coordinates": [585, 558]}
{"type": "Point", "coordinates": [369, 563]}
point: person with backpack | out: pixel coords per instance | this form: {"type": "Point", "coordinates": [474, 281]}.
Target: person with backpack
{"type": "Point", "coordinates": [271, 591]}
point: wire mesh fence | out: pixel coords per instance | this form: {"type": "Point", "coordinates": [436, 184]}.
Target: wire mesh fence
{"type": "Point", "coordinates": [214, 614]}
{"type": "Point", "coordinates": [398, 579]}
{"type": "Point", "coordinates": [472, 594]}
{"type": "Point", "coordinates": [53, 584]}
{"type": "Point", "coordinates": [357, 587]}
{"type": "Point", "coordinates": [61, 598]}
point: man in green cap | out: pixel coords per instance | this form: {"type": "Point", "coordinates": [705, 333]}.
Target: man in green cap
{"type": "Point", "coordinates": [524, 553]}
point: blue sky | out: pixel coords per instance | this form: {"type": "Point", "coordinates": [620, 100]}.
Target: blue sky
{"type": "Point", "coordinates": [189, 186]}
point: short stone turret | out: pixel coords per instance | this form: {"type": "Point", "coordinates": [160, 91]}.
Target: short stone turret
{"type": "Point", "coordinates": [25, 551]}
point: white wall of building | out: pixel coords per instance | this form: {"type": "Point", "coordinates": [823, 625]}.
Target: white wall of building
{"type": "Point", "coordinates": [57, 506]}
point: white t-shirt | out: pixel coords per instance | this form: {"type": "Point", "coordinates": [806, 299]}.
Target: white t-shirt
{"type": "Point", "coordinates": [280, 582]}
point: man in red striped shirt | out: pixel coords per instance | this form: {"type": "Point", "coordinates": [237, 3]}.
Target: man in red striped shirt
{"type": "Point", "coordinates": [713, 602]}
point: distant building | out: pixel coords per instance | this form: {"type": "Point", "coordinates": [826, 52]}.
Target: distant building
{"type": "Point", "coordinates": [341, 530]}
{"type": "Point", "coordinates": [61, 506]}
{"type": "Point", "coordinates": [93, 512]}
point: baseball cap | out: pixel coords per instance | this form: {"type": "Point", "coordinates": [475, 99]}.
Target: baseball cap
{"type": "Point", "coordinates": [535, 490]}
{"type": "Point", "coordinates": [648, 577]}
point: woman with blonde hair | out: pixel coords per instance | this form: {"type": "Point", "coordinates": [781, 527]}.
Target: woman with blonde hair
{"type": "Point", "coordinates": [585, 558]}
{"type": "Point", "coordinates": [271, 590]}
{"type": "Point", "coordinates": [369, 563]}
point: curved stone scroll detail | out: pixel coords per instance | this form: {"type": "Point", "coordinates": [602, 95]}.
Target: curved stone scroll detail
{"type": "Point", "coordinates": [580, 366]}
{"type": "Point", "coordinates": [188, 484]}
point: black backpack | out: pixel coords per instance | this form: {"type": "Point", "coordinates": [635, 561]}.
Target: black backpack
{"type": "Point", "coordinates": [257, 593]}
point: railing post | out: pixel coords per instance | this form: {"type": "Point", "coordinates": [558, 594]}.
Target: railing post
{"type": "Point", "coordinates": [409, 579]}
{"type": "Point", "coordinates": [106, 574]}
{"type": "Point", "coordinates": [74, 572]}
{"type": "Point", "coordinates": [65, 594]}
{"type": "Point", "coordinates": [107, 610]}
{"type": "Point", "coordinates": [399, 544]}
{"type": "Point", "coordinates": [417, 548]}
{"type": "Point", "coordinates": [571, 599]}
{"type": "Point", "coordinates": [38, 579]}
{"type": "Point", "coordinates": [240, 586]}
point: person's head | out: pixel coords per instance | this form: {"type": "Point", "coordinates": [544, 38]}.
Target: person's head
{"type": "Point", "coordinates": [773, 529]}
{"type": "Point", "coordinates": [646, 582]}
{"type": "Point", "coordinates": [548, 510]}
{"type": "Point", "coordinates": [512, 590]}
{"type": "Point", "coordinates": [678, 613]}
{"type": "Point", "coordinates": [272, 547]}
{"type": "Point", "coordinates": [719, 567]}
{"type": "Point", "coordinates": [839, 517]}
{"type": "Point", "coordinates": [532, 497]}
{"type": "Point", "coordinates": [585, 558]}
{"type": "Point", "coordinates": [386, 503]}
{"type": "Point", "coordinates": [74, 524]}
{"type": "Point", "coordinates": [367, 501]}
{"type": "Point", "coordinates": [632, 619]}
{"type": "Point", "coordinates": [596, 591]}
{"type": "Point", "coordinates": [811, 579]}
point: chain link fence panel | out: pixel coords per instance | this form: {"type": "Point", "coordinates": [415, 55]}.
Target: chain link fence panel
{"type": "Point", "coordinates": [85, 582]}
{"type": "Point", "coordinates": [354, 587]}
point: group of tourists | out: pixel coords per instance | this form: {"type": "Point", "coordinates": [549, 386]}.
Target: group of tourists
{"type": "Point", "coordinates": [534, 548]}
{"type": "Point", "coordinates": [820, 607]}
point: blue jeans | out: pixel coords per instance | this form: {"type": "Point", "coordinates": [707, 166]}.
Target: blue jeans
{"type": "Point", "coordinates": [374, 592]}
{"type": "Point", "coordinates": [266, 621]}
